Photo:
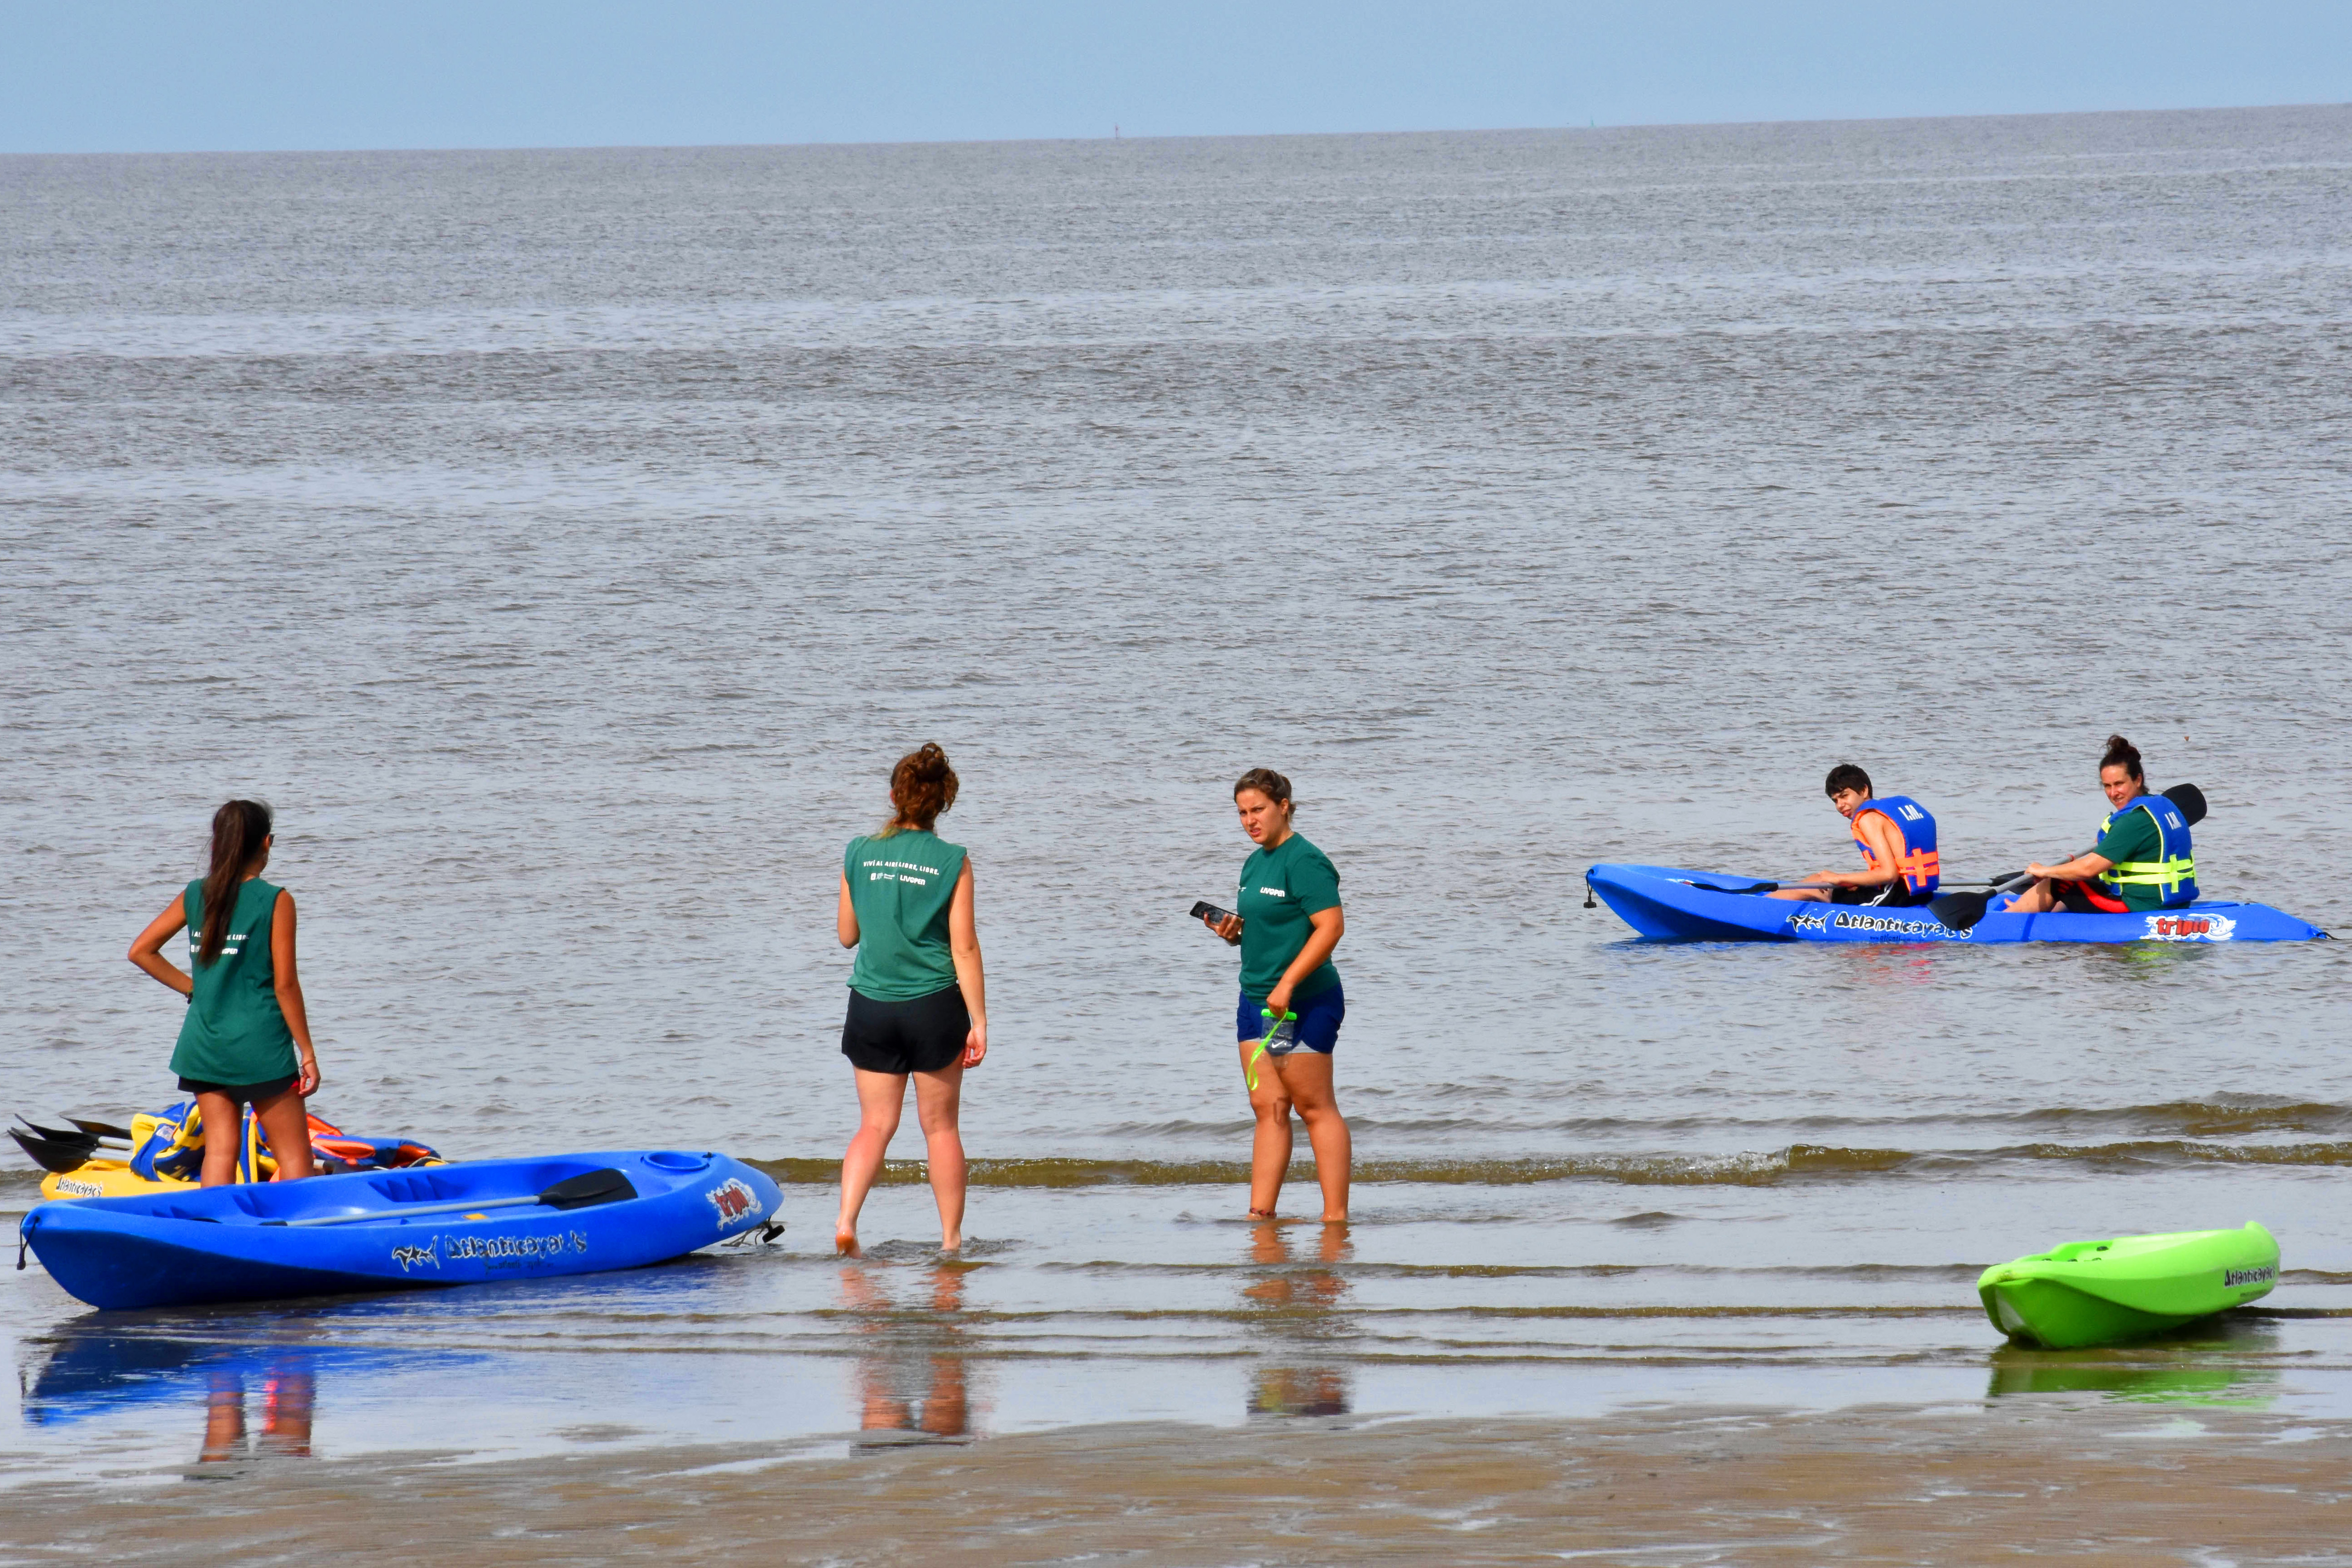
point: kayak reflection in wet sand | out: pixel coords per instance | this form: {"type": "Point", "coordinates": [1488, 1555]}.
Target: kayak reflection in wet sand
{"type": "Point", "coordinates": [1897, 840]}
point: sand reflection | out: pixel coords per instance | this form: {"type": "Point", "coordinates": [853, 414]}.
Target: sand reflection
{"type": "Point", "coordinates": [912, 1378]}
{"type": "Point", "coordinates": [287, 1394]}
{"type": "Point", "coordinates": [1296, 1317]}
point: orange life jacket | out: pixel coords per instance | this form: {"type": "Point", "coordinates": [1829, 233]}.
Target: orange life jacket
{"type": "Point", "coordinates": [1916, 829]}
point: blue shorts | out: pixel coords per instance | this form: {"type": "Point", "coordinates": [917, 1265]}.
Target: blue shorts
{"type": "Point", "coordinates": [1318, 1018]}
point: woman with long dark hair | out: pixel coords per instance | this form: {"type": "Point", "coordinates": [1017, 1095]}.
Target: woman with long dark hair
{"type": "Point", "coordinates": [917, 1003]}
{"type": "Point", "coordinates": [246, 1039]}
{"type": "Point", "coordinates": [1287, 1020]}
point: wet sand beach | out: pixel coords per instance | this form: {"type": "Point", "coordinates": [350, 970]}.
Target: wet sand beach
{"type": "Point", "coordinates": [2125, 1484]}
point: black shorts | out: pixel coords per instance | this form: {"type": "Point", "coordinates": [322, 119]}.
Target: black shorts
{"type": "Point", "coordinates": [922, 1036]}
{"type": "Point", "coordinates": [242, 1093]}
{"type": "Point", "coordinates": [1883, 896]}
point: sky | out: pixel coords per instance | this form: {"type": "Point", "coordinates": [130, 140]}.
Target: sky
{"type": "Point", "coordinates": [113, 76]}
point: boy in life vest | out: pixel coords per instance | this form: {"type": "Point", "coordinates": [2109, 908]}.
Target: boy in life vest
{"type": "Point", "coordinates": [1897, 840]}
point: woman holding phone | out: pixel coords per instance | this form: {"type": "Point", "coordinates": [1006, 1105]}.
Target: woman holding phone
{"type": "Point", "coordinates": [917, 1004]}
{"type": "Point", "coordinates": [1287, 923]}
{"type": "Point", "coordinates": [246, 1039]}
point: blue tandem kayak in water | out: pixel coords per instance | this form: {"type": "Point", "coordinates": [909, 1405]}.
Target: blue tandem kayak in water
{"type": "Point", "coordinates": [1708, 906]}
{"type": "Point", "coordinates": [264, 1240]}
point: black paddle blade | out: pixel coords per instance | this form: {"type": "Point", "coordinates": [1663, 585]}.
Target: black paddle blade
{"type": "Point", "coordinates": [2190, 800]}
{"type": "Point", "coordinates": [1960, 912]}
{"type": "Point", "coordinates": [50, 1156]}
{"type": "Point", "coordinates": [606, 1186]}
{"type": "Point", "coordinates": [99, 1129]}
{"type": "Point", "coordinates": [58, 1134]}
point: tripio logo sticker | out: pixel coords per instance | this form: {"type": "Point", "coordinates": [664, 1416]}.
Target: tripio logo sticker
{"type": "Point", "coordinates": [2190, 928]}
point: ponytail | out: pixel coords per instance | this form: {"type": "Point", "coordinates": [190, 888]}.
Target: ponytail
{"type": "Point", "coordinates": [239, 829]}
{"type": "Point", "coordinates": [2121, 754]}
{"type": "Point", "coordinates": [921, 786]}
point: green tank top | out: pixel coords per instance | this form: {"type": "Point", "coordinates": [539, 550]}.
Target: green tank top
{"type": "Point", "coordinates": [900, 886]}
{"type": "Point", "coordinates": [235, 1032]}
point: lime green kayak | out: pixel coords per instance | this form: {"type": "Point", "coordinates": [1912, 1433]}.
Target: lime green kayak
{"type": "Point", "coordinates": [2103, 1292]}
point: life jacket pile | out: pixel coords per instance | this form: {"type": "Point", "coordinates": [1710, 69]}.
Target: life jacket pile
{"type": "Point", "coordinates": [168, 1146]}
{"type": "Point", "coordinates": [1920, 865]}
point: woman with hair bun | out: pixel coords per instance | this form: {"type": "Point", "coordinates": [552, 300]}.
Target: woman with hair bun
{"type": "Point", "coordinates": [246, 1039]}
{"type": "Point", "coordinates": [918, 1005]}
{"type": "Point", "coordinates": [1287, 1020]}
{"type": "Point", "coordinates": [2142, 861]}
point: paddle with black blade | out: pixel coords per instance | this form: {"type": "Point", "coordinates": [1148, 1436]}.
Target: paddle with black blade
{"type": "Point", "coordinates": [81, 1133]}
{"type": "Point", "coordinates": [52, 1155]}
{"type": "Point", "coordinates": [1962, 911]}
{"type": "Point", "coordinates": [101, 1129]}
{"type": "Point", "coordinates": [606, 1186]}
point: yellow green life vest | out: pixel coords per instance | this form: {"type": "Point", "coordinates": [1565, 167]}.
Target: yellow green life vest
{"type": "Point", "coordinates": [2173, 873]}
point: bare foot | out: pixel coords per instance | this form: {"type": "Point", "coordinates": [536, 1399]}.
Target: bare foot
{"type": "Point", "coordinates": [951, 1244]}
{"type": "Point", "coordinates": [1260, 1214]}
{"type": "Point", "coordinates": [844, 1243]}
{"type": "Point", "coordinates": [1341, 1218]}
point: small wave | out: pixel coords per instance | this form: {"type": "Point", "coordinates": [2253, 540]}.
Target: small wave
{"type": "Point", "coordinates": [2198, 1119]}
{"type": "Point", "coordinates": [1819, 1161]}
{"type": "Point", "coordinates": [2206, 1118]}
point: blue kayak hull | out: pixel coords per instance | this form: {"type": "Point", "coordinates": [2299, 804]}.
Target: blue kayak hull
{"type": "Point", "coordinates": [1687, 906]}
{"type": "Point", "coordinates": [215, 1244]}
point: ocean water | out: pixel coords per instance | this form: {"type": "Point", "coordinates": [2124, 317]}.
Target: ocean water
{"type": "Point", "coordinates": [567, 542]}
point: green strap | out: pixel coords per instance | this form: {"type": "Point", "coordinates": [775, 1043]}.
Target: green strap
{"type": "Point", "coordinates": [2151, 873]}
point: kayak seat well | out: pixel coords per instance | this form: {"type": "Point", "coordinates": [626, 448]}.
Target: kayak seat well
{"type": "Point", "coordinates": [2077, 1252]}
{"type": "Point", "coordinates": [421, 1186]}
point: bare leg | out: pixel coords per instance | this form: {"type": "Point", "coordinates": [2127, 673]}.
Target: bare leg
{"type": "Point", "coordinates": [223, 1130]}
{"type": "Point", "coordinates": [881, 1097]}
{"type": "Point", "coordinates": [2039, 898]}
{"type": "Point", "coordinates": [288, 1132]}
{"type": "Point", "coordinates": [1807, 895]}
{"type": "Point", "coordinates": [1270, 1144]}
{"type": "Point", "coordinates": [1308, 1076]}
{"type": "Point", "coordinates": [938, 1098]}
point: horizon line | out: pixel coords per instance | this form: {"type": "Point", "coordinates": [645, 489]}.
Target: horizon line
{"type": "Point", "coordinates": [1179, 136]}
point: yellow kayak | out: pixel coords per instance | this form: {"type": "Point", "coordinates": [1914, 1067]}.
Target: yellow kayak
{"type": "Point", "coordinates": [106, 1179]}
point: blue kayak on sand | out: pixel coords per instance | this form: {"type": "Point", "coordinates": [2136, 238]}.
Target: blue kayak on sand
{"type": "Point", "coordinates": [1692, 905]}
{"type": "Point", "coordinates": [250, 1242]}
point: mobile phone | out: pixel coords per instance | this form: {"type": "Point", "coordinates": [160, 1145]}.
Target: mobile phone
{"type": "Point", "coordinates": [1207, 911]}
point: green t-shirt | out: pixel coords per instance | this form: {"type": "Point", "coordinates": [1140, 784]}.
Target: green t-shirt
{"type": "Point", "coordinates": [234, 1032]}
{"type": "Point", "coordinates": [1279, 888]}
{"type": "Point", "coordinates": [900, 886]}
{"type": "Point", "coordinates": [2133, 837]}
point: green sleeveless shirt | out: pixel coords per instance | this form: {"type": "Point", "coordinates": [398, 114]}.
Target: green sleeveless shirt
{"type": "Point", "coordinates": [901, 886]}
{"type": "Point", "coordinates": [235, 1032]}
